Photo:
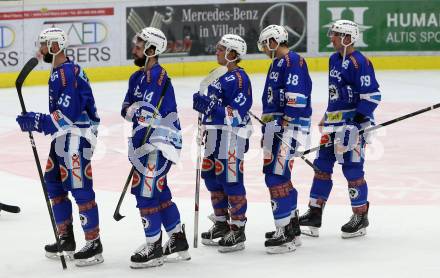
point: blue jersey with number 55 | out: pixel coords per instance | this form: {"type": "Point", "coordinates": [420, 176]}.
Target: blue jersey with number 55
{"type": "Point", "coordinates": [71, 102]}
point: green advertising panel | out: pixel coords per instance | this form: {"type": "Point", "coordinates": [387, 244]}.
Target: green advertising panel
{"type": "Point", "coordinates": [385, 25]}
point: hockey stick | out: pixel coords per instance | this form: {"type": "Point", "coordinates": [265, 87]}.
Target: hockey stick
{"type": "Point", "coordinates": [370, 129]}
{"type": "Point", "coordinates": [9, 208]}
{"type": "Point", "coordinates": [28, 67]}
{"type": "Point", "coordinates": [117, 215]}
{"type": "Point", "coordinates": [212, 76]}
{"type": "Point", "coordinates": [284, 142]}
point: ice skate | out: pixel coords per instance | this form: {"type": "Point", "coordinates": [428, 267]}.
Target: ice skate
{"type": "Point", "coordinates": [215, 233]}
{"type": "Point", "coordinates": [311, 221]}
{"type": "Point", "coordinates": [233, 240]}
{"type": "Point", "coordinates": [356, 226]}
{"type": "Point", "coordinates": [148, 255]}
{"type": "Point", "coordinates": [282, 241]}
{"type": "Point", "coordinates": [90, 254]}
{"type": "Point", "coordinates": [176, 248]}
{"type": "Point", "coordinates": [67, 244]}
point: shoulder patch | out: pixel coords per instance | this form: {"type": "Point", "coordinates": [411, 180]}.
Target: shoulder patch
{"type": "Point", "coordinates": [148, 76]}
{"type": "Point", "coordinates": [161, 77]}
{"type": "Point", "coordinates": [368, 61]}
{"type": "Point", "coordinates": [287, 58]}
{"type": "Point", "coordinates": [280, 63]}
{"type": "Point", "coordinates": [63, 77]}
{"type": "Point", "coordinates": [355, 63]}
{"type": "Point", "coordinates": [240, 79]}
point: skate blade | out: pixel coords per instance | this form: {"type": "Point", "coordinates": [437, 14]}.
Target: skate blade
{"type": "Point", "coordinates": [180, 256]}
{"type": "Point", "coordinates": [311, 231]}
{"type": "Point", "coordinates": [285, 248]}
{"type": "Point", "coordinates": [210, 242]}
{"type": "Point", "coordinates": [56, 256]}
{"type": "Point", "coordinates": [361, 232]}
{"type": "Point", "coordinates": [297, 241]}
{"type": "Point", "coordinates": [97, 259]}
{"type": "Point", "coordinates": [227, 249]}
{"type": "Point", "coordinates": [152, 263]}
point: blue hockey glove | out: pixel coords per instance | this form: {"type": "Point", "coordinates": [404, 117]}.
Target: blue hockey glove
{"type": "Point", "coordinates": [32, 121]}
{"type": "Point", "coordinates": [205, 104]}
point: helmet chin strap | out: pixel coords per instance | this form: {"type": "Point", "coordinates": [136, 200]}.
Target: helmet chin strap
{"type": "Point", "coordinates": [54, 55]}
{"type": "Point", "coordinates": [148, 56]}
{"type": "Point", "coordinates": [345, 47]}
{"type": "Point", "coordinates": [228, 60]}
{"type": "Point", "coordinates": [272, 52]}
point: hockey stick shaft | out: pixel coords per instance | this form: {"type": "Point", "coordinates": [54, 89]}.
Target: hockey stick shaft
{"type": "Point", "coordinates": [370, 129]}
{"type": "Point", "coordinates": [198, 177]}
{"type": "Point", "coordinates": [117, 215]}
{"type": "Point", "coordinates": [28, 67]}
{"type": "Point", "coordinates": [284, 142]}
{"type": "Point", "coordinates": [211, 77]}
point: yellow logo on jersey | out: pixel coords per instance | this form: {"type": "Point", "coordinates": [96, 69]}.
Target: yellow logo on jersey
{"type": "Point", "coordinates": [334, 117]}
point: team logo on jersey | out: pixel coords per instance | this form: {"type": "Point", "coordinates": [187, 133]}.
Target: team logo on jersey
{"type": "Point", "coordinates": [274, 75]}
{"type": "Point", "coordinates": [63, 173]}
{"type": "Point", "coordinates": [274, 205]}
{"type": "Point", "coordinates": [336, 74]}
{"type": "Point", "coordinates": [161, 184]}
{"type": "Point", "coordinates": [83, 219]}
{"type": "Point", "coordinates": [49, 165]}
{"type": "Point", "coordinates": [353, 192]}
{"type": "Point", "coordinates": [88, 171]}
{"type": "Point", "coordinates": [291, 101]}
{"type": "Point", "coordinates": [219, 167]}
{"type": "Point", "coordinates": [136, 179]}
{"type": "Point", "coordinates": [207, 164]}
{"type": "Point", "coordinates": [333, 92]}
{"type": "Point", "coordinates": [334, 117]}
{"type": "Point", "coordinates": [145, 222]}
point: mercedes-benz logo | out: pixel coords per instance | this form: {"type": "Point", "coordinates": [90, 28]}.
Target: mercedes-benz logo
{"type": "Point", "coordinates": [290, 16]}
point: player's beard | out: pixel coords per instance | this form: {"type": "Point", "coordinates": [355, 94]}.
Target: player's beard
{"type": "Point", "coordinates": [48, 58]}
{"type": "Point", "coordinates": [140, 62]}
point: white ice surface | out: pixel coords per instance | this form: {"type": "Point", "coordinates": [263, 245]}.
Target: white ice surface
{"type": "Point", "coordinates": [402, 172]}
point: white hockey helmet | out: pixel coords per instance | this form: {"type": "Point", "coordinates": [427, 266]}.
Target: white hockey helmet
{"type": "Point", "coordinates": [51, 35]}
{"type": "Point", "coordinates": [276, 32]}
{"type": "Point", "coordinates": [153, 37]}
{"type": "Point", "coordinates": [345, 27]}
{"type": "Point", "coordinates": [233, 42]}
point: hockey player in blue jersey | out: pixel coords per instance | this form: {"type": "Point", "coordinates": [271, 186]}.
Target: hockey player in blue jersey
{"type": "Point", "coordinates": [286, 112]}
{"type": "Point", "coordinates": [150, 104]}
{"type": "Point", "coordinates": [228, 128]}
{"type": "Point", "coordinates": [72, 123]}
{"type": "Point", "coordinates": [353, 97]}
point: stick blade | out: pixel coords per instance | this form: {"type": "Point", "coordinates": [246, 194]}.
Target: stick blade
{"type": "Point", "coordinates": [28, 67]}
{"type": "Point", "coordinates": [117, 216]}
{"type": "Point", "coordinates": [9, 208]}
